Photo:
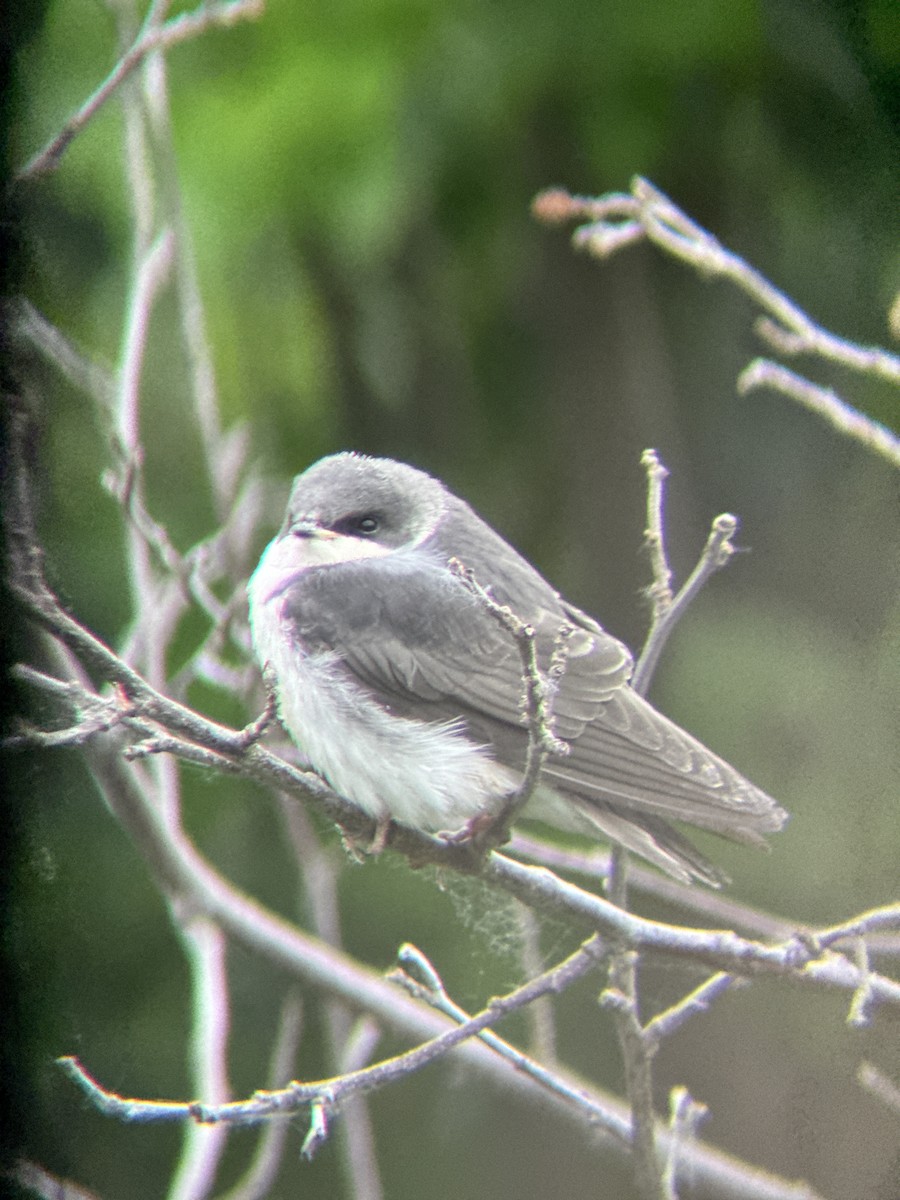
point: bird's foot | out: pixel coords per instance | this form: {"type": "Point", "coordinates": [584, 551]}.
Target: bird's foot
{"type": "Point", "coordinates": [479, 835]}
{"type": "Point", "coordinates": [360, 848]}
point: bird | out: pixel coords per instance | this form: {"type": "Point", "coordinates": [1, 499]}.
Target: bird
{"type": "Point", "coordinates": [405, 693]}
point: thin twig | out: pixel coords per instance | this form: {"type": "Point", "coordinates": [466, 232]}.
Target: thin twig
{"type": "Point", "coordinates": [204, 948]}
{"type": "Point", "coordinates": [30, 327]}
{"type": "Point", "coordinates": [862, 1004]}
{"type": "Point", "coordinates": [716, 554]}
{"type": "Point", "coordinates": [843, 417]}
{"type": "Point", "coordinates": [37, 1181]}
{"type": "Point", "coordinates": [713, 908]}
{"type": "Point", "coordinates": [621, 997]}
{"type": "Point", "coordinates": [685, 1114]}
{"type": "Point", "coordinates": [697, 1001]}
{"type": "Point", "coordinates": [330, 1094]}
{"type": "Point", "coordinates": [885, 917]}
{"type": "Point", "coordinates": [660, 591]}
{"type": "Point", "coordinates": [795, 332]}
{"type": "Point", "coordinates": [538, 703]}
{"type": "Point", "coordinates": [668, 610]}
{"type": "Point", "coordinates": [875, 1081]}
{"type": "Point", "coordinates": [420, 979]}
{"type": "Point", "coordinates": [258, 1180]}
{"type": "Point", "coordinates": [542, 1031]}
{"type": "Point", "coordinates": [179, 29]}
{"type": "Point", "coordinates": [350, 1041]}
{"type": "Point", "coordinates": [619, 219]}
{"type": "Point", "coordinates": [224, 456]}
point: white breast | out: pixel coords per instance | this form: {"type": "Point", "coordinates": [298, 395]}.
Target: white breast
{"type": "Point", "coordinates": [426, 775]}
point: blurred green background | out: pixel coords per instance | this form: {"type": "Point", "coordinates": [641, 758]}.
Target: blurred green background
{"type": "Point", "coordinates": [356, 177]}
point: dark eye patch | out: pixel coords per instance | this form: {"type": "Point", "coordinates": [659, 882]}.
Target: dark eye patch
{"type": "Point", "coordinates": [359, 525]}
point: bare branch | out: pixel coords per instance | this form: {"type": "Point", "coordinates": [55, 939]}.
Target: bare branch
{"type": "Point", "coordinates": [619, 219]}
{"type": "Point", "coordinates": [653, 1178]}
{"type": "Point", "coordinates": [317, 1133]}
{"type": "Point", "coordinates": [860, 1014]}
{"type": "Point", "coordinates": [875, 1081]}
{"type": "Point", "coordinates": [660, 591]}
{"type": "Point", "coordinates": [152, 37]}
{"type": "Point", "coordinates": [178, 867]}
{"type": "Point", "coordinates": [762, 372]}
{"type": "Point", "coordinates": [151, 276]}
{"type": "Point", "coordinates": [428, 987]}
{"type": "Point", "coordinates": [713, 907]}
{"type": "Point", "coordinates": [668, 610]}
{"type": "Point", "coordinates": [31, 328]}
{"type": "Point", "coordinates": [36, 1180]}
{"type": "Point", "coordinates": [705, 1167]}
{"type": "Point", "coordinates": [698, 1001]}
{"type": "Point", "coordinates": [716, 554]}
{"type": "Point", "coordinates": [359, 1154]}
{"type": "Point", "coordinates": [329, 1095]}
{"type": "Point", "coordinates": [885, 917]}
{"type": "Point", "coordinates": [351, 1040]}
{"type": "Point", "coordinates": [685, 1114]}
{"type": "Point", "coordinates": [259, 1178]}
{"type": "Point", "coordinates": [637, 1052]}
{"type": "Point", "coordinates": [798, 957]}
{"type": "Point", "coordinates": [204, 947]}
{"type": "Point", "coordinates": [542, 1032]}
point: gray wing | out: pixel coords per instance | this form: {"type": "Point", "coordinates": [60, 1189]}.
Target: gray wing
{"type": "Point", "coordinates": [413, 634]}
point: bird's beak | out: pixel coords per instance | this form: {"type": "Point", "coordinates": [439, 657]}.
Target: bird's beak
{"type": "Point", "coordinates": [308, 529]}
{"type": "Point", "coordinates": [305, 543]}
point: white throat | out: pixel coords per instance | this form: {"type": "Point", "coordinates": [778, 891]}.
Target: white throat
{"type": "Point", "coordinates": [288, 556]}
{"type": "Point", "coordinates": [327, 547]}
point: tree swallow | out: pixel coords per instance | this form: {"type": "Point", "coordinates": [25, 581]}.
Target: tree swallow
{"type": "Point", "coordinates": [403, 691]}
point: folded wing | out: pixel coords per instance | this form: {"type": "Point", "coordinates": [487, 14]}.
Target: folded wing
{"type": "Point", "coordinates": [414, 635]}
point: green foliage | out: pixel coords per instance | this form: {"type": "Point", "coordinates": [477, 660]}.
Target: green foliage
{"type": "Point", "coordinates": [355, 181]}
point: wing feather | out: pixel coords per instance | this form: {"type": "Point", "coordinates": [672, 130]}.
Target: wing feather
{"type": "Point", "coordinates": [412, 633]}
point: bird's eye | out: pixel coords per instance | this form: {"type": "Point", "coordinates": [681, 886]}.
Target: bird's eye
{"type": "Point", "coordinates": [362, 525]}
{"type": "Point", "coordinates": [359, 525]}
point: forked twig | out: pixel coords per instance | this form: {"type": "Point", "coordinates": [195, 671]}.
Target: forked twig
{"type": "Point", "coordinates": [619, 219]}
{"type": "Point", "coordinates": [540, 689]}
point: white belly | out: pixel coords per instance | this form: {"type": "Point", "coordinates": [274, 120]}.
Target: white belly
{"type": "Point", "coordinates": [426, 775]}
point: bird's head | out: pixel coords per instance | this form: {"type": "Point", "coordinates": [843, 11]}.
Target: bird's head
{"type": "Point", "coordinates": [350, 506]}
